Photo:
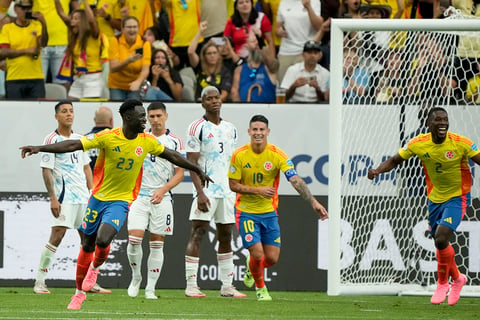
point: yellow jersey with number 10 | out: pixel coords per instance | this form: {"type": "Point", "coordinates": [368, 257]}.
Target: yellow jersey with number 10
{"type": "Point", "coordinates": [118, 171]}
{"type": "Point", "coordinates": [259, 170]}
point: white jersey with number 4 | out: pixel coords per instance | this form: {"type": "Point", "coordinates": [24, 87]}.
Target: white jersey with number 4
{"type": "Point", "coordinates": [69, 179]}
{"type": "Point", "coordinates": [158, 171]}
{"type": "Point", "coordinates": [215, 143]}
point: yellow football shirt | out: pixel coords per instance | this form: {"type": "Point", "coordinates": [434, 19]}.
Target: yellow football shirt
{"type": "Point", "coordinates": [24, 67]}
{"type": "Point", "coordinates": [120, 50]}
{"type": "Point", "coordinates": [447, 173]}
{"type": "Point", "coordinates": [57, 29]}
{"type": "Point", "coordinates": [259, 170]}
{"type": "Point", "coordinates": [118, 171]}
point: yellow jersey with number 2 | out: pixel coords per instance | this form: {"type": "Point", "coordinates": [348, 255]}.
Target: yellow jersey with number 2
{"type": "Point", "coordinates": [447, 173]}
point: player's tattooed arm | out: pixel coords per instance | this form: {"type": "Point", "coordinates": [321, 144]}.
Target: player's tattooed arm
{"type": "Point", "coordinates": [301, 188]}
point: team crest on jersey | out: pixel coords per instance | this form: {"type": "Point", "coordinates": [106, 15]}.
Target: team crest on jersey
{"type": "Point", "coordinates": [191, 143]}
{"type": "Point", "coordinates": [268, 165]}
{"type": "Point", "coordinates": [90, 136]}
{"type": "Point", "coordinates": [290, 163]}
{"type": "Point", "coordinates": [248, 237]}
{"type": "Point", "coordinates": [139, 151]}
{"type": "Point", "coordinates": [233, 169]}
{"type": "Point", "coordinates": [46, 157]}
{"type": "Point", "coordinates": [449, 155]}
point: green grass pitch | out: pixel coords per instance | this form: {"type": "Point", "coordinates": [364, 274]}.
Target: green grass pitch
{"type": "Point", "coordinates": [22, 303]}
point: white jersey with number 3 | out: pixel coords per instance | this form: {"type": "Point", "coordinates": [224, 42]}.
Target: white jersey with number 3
{"type": "Point", "coordinates": [68, 170]}
{"type": "Point", "coordinates": [215, 143]}
{"type": "Point", "coordinates": [158, 171]}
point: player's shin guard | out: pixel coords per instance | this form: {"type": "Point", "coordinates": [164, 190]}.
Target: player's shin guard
{"type": "Point", "coordinates": [135, 255]}
{"type": "Point", "coordinates": [444, 259]}
{"type": "Point", "coordinates": [101, 255]}
{"type": "Point", "coordinates": [225, 266]}
{"type": "Point", "coordinates": [256, 269]}
{"type": "Point", "coordinates": [154, 264]}
{"type": "Point", "coordinates": [83, 262]}
{"type": "Point", "coordinates": [453, 270]}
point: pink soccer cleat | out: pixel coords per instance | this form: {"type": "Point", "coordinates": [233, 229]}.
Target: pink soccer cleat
{"type": "Point", "coordinates": [457, 286]}
{"type": "Point", "coordinates": [90, 279]}
{"type": "Point", "coordinates": [77, 301]}
{"type": "Point", "coordinates": [440, 293]}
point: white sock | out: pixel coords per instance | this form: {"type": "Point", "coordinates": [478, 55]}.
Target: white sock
{"type": "Point", "coordinates": [191, 269]}
{"type": "Point", "coordinates": [225, 268]}
{"type": "Point", "coordinates": [46, 258]}
{"type": "Point", "coordinates": [154, 264]}
{"type": "Point", "coordinates": [135, 255]}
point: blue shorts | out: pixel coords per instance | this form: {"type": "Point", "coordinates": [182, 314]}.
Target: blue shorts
{"type": "Point", "coordinates": [112, 212]}
{"type": "Point", "coordinates": [255, 228]}
{"type": "Point", "coordinates": [449, 213]}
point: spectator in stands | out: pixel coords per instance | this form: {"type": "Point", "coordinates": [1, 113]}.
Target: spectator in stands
{"type": "Point", "coordinates": [83, 58]}
{"type": "Point", "coordinates": [215, 12]}
{"type": "Point", "coordinates": [430, 80]}
{"type": "Point", "coordinates": [53, 53]}
{"type": "Point", "coordinates": [244, 19]}
{"type": "Point", "coordinates": [165, 82]}
{"type": "Point", "coordinates": [129, 62]}
{"type": "Point", "coordinates": [472, 95]}
{"type": "Point", "coordinates": [254, 81]}
{"type": "Point", "coordinates": [209, 67]}
{"type": "Point", "coordinates": [468, 49]}
{"type": "Point", "coordinates": [351, 9]}
{"type": "Point", "coordinates": [107, 14]}
{"type": "Point", "coordinates": [21, 42]}
{"type": "Point", "coordinates": [143, 10]}
{"type": "Point", "coordinates": [4, 19]}
{"type": "Point", "coordinates": [297, 22]}
{"type": "Point", "coordinates": [231, 60]}
{"type": "Point", "coordinates": [184, 24]}
{"type": "Point", "coordinates": [388, 86]}
{"type": "Point", "coordinates": [396, 8]}
{"type": "Point", "coordinates": [270, 8]}
{"type": "Point", "coordinates": [355, 79]}
{"type": "Point", "coordinates": [152, 35]}
{"type": "Point", "coordinates": [307, 81]}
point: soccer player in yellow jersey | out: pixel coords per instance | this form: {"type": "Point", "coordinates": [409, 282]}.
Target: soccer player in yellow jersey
{"type": "Point", "coordinates": [445, 161]}
{"type": "Point", "coordinates": [116, 183]}
{"type": "Point", "coordinates": [255, 176]}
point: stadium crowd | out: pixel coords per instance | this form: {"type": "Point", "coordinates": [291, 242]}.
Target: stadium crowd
{"type": "Point", "coordinates": [169, 50]}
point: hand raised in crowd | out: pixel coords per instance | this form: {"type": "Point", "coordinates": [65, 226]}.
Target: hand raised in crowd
{"type": "Point", "coordinates": [134, 57]}
{"type": "Point", "coordinates": [101, 12]}
{"type": "Point", "coordinates": [124, 12]}
{"type": "Point", "coordinates": [203, 26]}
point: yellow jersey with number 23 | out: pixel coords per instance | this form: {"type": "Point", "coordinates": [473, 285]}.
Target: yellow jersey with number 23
{"type": "Point", "coordinates": [118, 171]}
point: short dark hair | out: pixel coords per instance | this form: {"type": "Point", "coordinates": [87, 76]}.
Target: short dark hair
{"type": "Point", "coordinates": [62, 102]}
{"type": "Point", "coordinates": [259, 118]}
{"type": "Point", "coordinates": [430, 113]}
{"type": "Point", "coordinates": [129, 105]}
{"type": "Point", "coordinates": [157, 106]}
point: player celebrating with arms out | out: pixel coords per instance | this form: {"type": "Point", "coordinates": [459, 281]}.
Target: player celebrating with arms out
{"type": "Point", "coordinates": [255, 176]}
{"type": "Point", "coordinates": [116, 182]}
{"type": "Point", "coordinates": [449, 181]}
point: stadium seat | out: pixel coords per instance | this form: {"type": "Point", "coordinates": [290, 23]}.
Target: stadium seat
{"type": "Point", "coordinates": [188, 90]}
{"type": "Point", "coordinates": [55, 91]}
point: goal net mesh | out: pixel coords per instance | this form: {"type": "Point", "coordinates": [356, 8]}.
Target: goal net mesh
{"type": "Point", "coordinates": [390, 81]}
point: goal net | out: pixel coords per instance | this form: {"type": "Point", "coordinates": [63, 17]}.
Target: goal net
{"type": "Point", "coordinates": [392, 73]}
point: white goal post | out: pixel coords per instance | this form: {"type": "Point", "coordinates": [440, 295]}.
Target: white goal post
{"type": "Point", "coordinates": [378, 239]}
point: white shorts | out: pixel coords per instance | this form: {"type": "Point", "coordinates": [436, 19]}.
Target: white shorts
{"type": "Point", "coordinates": [156, 218]}
{"type": "Point", "coordinates": [89, 85]}
{"type": "Point", "coordinates": [71, 216]}
{"type": "Point", "coordinates": [221, 210]}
